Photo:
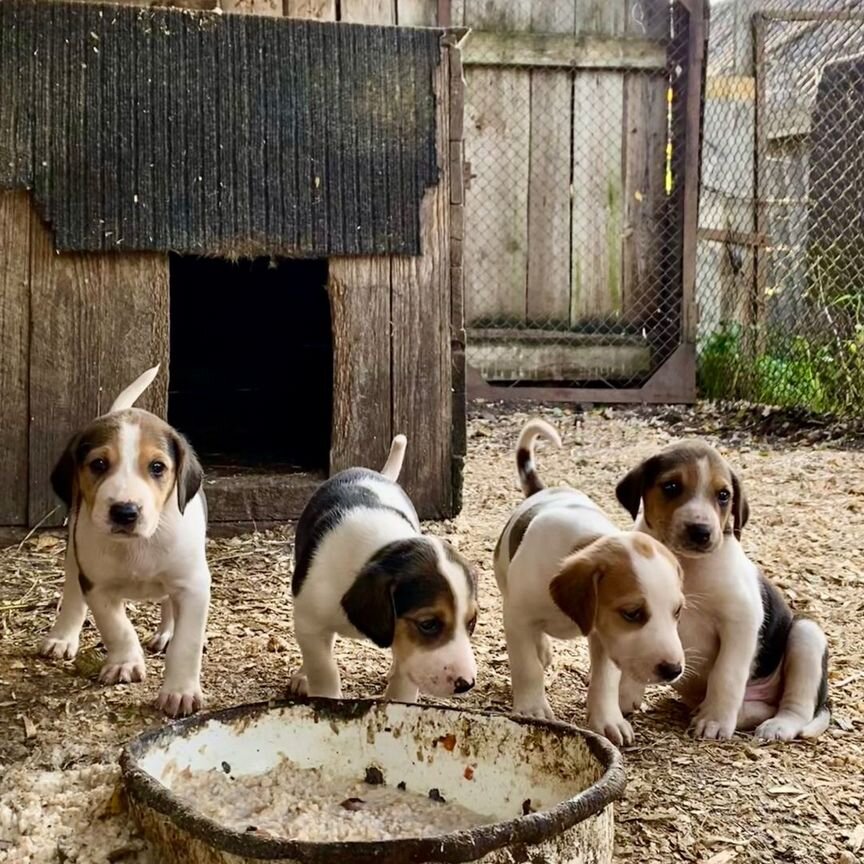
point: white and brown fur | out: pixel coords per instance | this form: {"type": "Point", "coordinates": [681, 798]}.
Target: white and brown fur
{"type": "Point", "coordinates": [137, 527]}
{"type": "Point", "coordinates": [566, 571]}
{"type": "Point", "coordinates": [751, 663]}
{"type": "Point", "coordinates": [363, 570]}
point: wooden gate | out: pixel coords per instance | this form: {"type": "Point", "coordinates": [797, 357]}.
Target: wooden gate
{"type": "Point", "coordinates": [581, 137]}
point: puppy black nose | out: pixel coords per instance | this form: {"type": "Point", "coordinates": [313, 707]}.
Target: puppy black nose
{"type": "Point", "coordinates": [668, 671]}
{"type": "Point", "coordinates": [125, 513]}
{"type": "Point", "coordinates": [700, 535]}
{"type": "Point", "coordinates": [460, 685]}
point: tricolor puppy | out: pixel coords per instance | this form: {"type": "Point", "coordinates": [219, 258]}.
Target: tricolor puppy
{"type": "Point", "coordinates": [565, 571]}
{"type": "Point", "coordinates": [137, 525]}
{"type": "Point", "coordinates": [363, 570]}
{"type": "Point", "coordinates": [751, 664]}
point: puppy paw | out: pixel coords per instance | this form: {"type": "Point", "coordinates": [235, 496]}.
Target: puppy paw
{"type": "Point", "coordinates": [540, 709]}
{"type": "Point", "coordinates": [707, 724]}
{"type": "Point", "coordinates": [61, 647]}
{"type": "Point", "coordinates": [158, 642]}
{"type": "Point", "coordinates": [612, 726]}
{"type": "Point", "coordinates": [123, 672]}
{"type": "Point", "coordinates": [298, 685]}
{"type": "Point", "coordinates": [180, 701]}
{"type": "Point", "coordinates": [779, 729]}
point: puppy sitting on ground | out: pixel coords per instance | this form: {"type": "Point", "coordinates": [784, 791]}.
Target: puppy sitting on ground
{"type": "Point", "coordinates": [363, 570]}
{"type": "Point", "coordinates": [565, 570]}
{"type": "Point", "coordinates": [137, 526]}
{"type": "Point", "coordinates": [752, 664]}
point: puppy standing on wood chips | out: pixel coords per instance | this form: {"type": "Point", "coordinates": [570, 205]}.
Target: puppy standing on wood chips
{"type": "Point", "coordinates": [137, 526]}
{"type": "Point", "coordinates": [363, 570]}
{"type": "Point", "coordinates": [565, 571]}
{"type": "Point", "coordinates": [752, 664]}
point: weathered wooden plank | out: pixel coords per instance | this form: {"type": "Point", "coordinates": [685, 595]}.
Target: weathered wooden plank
{"type": "Point", "coordinates": [15, 355]}
{"type": "Point", "coordinates": [597, 195]}
{"type": "Point", "coordinates": [422, 372]}
{"type": "Point", "coordinates": [532, 355]}
{"type": "Point", "coordinates": [601, 16]}
{"type": "Point", "coordinates": [368, 11]}
{"type": "Point", "coordinates": [417, 13]}
{"type": "Point", "coordinates": [97, 322]}
{"type": "Point", "coordinates": [257, 499]}
{"type": "Point", "coordinates": [324, 10]}
{"type": "Point", "coordinates": [118, 184]}
{"type": "Point", "coordinates": [644, 194]}
{"type": "Point", "coordinates": [359, 291]}
{"type": "Point", "coordinates": [271, 8]}
{"type": "Point", "coordinates": [484, 48]}
{"type": "Point", "coordinates": [497, 148]}
{"type": "Point", "coordinates": [548, 298]}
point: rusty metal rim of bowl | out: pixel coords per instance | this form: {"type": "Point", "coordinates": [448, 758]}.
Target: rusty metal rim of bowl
{"type": "Point", "coordinates": [458, 846]}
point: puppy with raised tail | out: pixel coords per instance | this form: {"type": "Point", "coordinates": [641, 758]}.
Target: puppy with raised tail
{"type": "Point", "coordinates": [363, 570]}
{"type": "Point", "coordinates": [565, 571]}
{"type": "Point", "coordinates": [752, 664]}
{"type": "Point", "coordinates": [137, 526]}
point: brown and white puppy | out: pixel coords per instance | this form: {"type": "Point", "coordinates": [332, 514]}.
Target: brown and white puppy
{"type": "Point", "coordinates": [751, 663]}
{"type": "Point", "coordinates": [364, 570]}
{"type": "Point", "coordinates": [137, 526]}
{"type": "Point", "coordinates": [565, 570]}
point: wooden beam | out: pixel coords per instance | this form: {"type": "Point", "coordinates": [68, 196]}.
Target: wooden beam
{"type": "Point", "coordinates": [15, 356]}
{"type": "Point", "coordinates": [738, 238]}
{"type": "Point", "coordinates": [485, 48]}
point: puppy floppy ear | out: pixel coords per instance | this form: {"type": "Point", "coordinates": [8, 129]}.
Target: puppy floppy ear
{"type": "Point", "coordinates": [188, 471]}
{"type": "Point", "coordinates": [574, 589]}
{"type": "Point", "coordinates": [740, 506]}
{"type": "Point", "coordinates": [369, 603]}
{"type": "Point", "coordinates": [63, 475]}
{"type": "Point", "coordinates": [631, 488]}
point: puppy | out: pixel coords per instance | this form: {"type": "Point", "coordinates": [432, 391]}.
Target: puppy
{"type": "Point", "coordinates": [565, 570]}
{"type": "Point", "coordinates": [363, 570]}
{"type": "Point", "coordinates": [751, 663]}
{"type": "Point", "coordinates": [137, 526]}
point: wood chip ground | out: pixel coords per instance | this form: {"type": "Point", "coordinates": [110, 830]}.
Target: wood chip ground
{"type": "Point", "coordinates": [686, 801]}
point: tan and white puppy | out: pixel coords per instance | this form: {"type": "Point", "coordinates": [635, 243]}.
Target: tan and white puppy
{"type": "Point", "coordinates": [363, 570]}
{"type": "Point", "coordinates": [137, 526]}
{"type": "Point", "coordinates": [751, 663]}
{"type": "Point", "coordinates": [565, 570]}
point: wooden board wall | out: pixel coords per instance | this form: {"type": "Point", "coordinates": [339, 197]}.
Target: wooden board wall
{"type": "Point", "coordinates": [565, 205]}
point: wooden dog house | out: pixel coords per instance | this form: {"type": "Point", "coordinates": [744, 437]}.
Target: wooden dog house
{"type": "Point", "coordinates": [263, 204]}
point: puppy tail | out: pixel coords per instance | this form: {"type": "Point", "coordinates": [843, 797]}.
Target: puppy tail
{"type": "Point", "coordinates": [131, 394]}
{"type": "Point", "coordinates": [393, 465]}
{"type": "Point", "coordinates": [818, 724]}
{"type": "Point", "coordinates": [529, 479]}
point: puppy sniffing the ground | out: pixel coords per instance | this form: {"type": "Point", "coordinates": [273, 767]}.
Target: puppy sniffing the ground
{"type": "Point", "coordinates": [137, 526]}
{"type": "Point", "coordinates": [752, 664]}
{"type": "Point", "coordinates": [565, 571]}
{"type": "Point", "coordinates": [363, 570]}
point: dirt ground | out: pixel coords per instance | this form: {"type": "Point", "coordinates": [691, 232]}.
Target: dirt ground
{"type": "Point", "coordinates": [686, 801]}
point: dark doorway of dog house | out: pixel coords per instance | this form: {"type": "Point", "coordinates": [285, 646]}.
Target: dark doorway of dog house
{"type": "Point", "coordinates": [251, 378]}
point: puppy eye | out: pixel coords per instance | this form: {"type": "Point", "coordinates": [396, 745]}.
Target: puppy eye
{"type": "Point", "coordinates": [98, 466]}
{"type": "Point", "coordinates": [429, 626]}
{"type": "Point", "coordinates": [634, 616]}
{"type": "Point", "coordinates": [724, 496]}
{"type": "Point", "coordinates": [471, 625]}
{"type": "Point", "coordinates": [671, 488]}
{"type": "Point", "coordinates": [678, 612]}
{"type": "Point", "coordinates": [157, 468]}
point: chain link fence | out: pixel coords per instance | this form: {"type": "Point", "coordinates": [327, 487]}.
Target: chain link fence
{"type": "Point", "coordinates": [575, 142]}
{"type": "Point", "coordinates": [780, 263]}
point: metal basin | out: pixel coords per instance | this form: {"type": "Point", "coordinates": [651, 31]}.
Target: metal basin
{"type": "Point", "coordinates": [569, 776]}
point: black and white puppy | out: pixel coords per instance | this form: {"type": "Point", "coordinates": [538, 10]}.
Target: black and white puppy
{"type": "Point", "coordinates": [362, 569]}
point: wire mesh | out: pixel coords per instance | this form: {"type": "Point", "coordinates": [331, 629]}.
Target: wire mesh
{"type": "Point", "coordinates": [780, 263]}
{"type": "Point", "coordinates": [573, 225]}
